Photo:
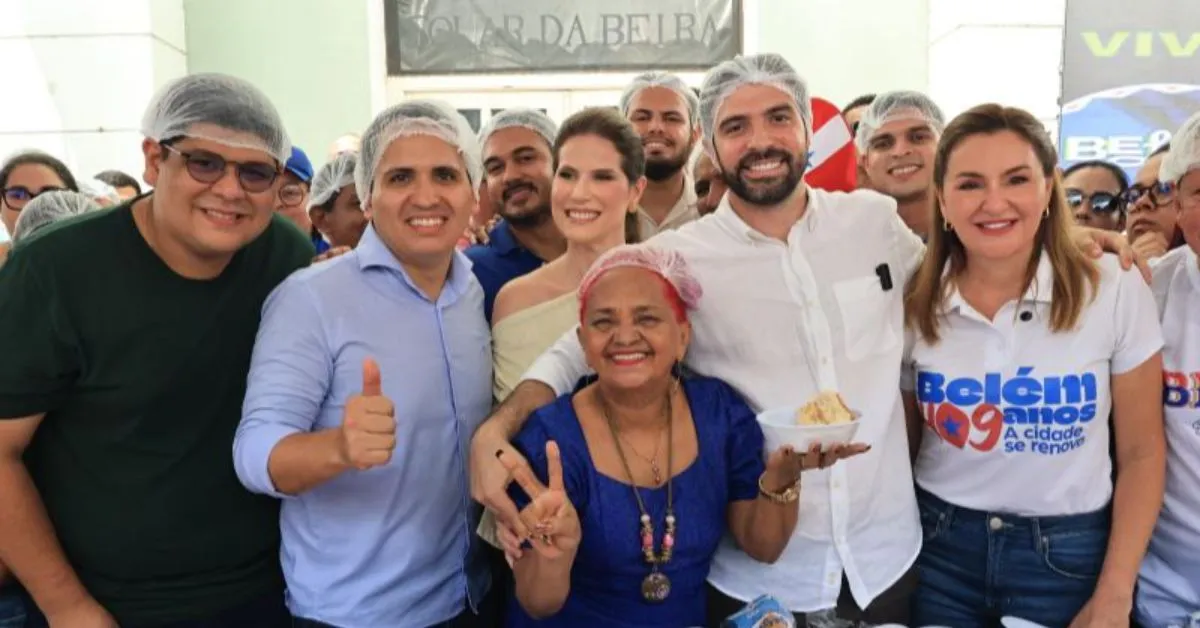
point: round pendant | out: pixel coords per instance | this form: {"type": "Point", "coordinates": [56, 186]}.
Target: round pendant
{"type": "Point", "coordinates": [656, 587]}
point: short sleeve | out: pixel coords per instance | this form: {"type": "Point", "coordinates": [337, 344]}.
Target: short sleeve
{"type": "Point", "coordinates": [1137, 326]}
{"type": "Point", "coordinates": [908, 372]}
{"type": "Point", "coordinates": [531, 443]}
{"type": "Point", "coordinates": [41, 350]}
{"type": "Point", "coordinates": [744, 449]}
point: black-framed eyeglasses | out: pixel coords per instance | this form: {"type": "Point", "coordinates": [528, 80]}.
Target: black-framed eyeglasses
{"type": "Point", "coordinates": [291, 194]}
{"type": "Point", "coordinates": [18, 196]}
{"type": "Point", "coordinates": [1098, 202]}
{"type": "Point", "coordinates": [1161, 194]}
{"type": "Point", "coordinates": [206, 167]}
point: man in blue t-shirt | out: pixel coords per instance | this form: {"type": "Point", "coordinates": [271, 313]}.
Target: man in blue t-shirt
{"type": "Point", "coordinates": [518, 166]}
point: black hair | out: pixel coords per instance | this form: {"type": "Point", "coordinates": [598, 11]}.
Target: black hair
{"type": "Point", "coordinates": [609, 124]}
{"type": "Point", "coordinates": [119, 179]}
{"type": "Point", "coordinates": [1113, 169]}
{"type": "Point", "coordinates": [861, 101]}
{"type": "Point", "coordinates": [38, 158]}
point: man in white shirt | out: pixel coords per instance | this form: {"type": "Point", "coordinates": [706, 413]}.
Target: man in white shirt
{"type": "Point", "coordinates": [663, 111]}
{"type": "Point", "coordinates": [803, 293]}
{"type": "Point", "coordinates": [896, 139]}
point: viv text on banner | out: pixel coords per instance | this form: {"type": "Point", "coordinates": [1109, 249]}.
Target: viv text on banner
{"type": "Point", "coordinates": [1131, 76]}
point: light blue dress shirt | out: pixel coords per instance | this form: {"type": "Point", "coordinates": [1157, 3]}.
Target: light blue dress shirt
{"type": "Point", "coordinates": [393, 546]}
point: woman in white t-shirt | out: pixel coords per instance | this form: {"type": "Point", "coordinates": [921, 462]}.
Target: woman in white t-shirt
{"type": "Point", "coordinates": [1019, 345]}
{"type": "Point", "coordinates": [1169, 584]}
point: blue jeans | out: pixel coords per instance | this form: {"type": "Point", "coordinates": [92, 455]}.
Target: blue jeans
{"type": "Point", "coordinates": [12, 608]}
{"type": "Point", "coordinates": [977, 567]}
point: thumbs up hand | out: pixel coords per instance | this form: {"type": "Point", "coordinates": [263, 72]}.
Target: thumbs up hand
{"type": "Point", "coordinates": [368, 434]}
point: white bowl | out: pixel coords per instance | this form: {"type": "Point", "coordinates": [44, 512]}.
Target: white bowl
{"type": "Point", "coordinates": [779, 428]}
{"type": "Point", "coordinates": [1017, 622]}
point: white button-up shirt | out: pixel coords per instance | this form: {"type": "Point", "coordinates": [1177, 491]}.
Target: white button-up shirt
{"type": "Point", "coordinates": [682, 212]}
{"type": "Point", "coordinates": [1169, 583]}
{"type": "Point", "coordinates": [781, 322]}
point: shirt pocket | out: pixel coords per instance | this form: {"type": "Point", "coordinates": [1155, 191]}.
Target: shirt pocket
{"type": "Point", "coordinates": [866, 314]}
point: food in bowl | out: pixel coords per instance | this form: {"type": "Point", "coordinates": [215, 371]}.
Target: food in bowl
{"type": "Point", "coordinates": [827, 408]}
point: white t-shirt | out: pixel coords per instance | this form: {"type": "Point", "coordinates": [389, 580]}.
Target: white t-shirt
{"type": "Point", "coordinates": [1016, 416]}
{"type": "Point", "coordinates": [1169, 583]}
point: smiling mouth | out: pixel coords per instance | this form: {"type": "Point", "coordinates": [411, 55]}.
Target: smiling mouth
{"type": "Point", "coordinates": [766, 167]}
{"type": "Point", "coordinates": [995, 226]}
{"type": "Point", "coordinates": [904, 171]}
{"type": "Point", "coordinates": [223, 218]}
{"type": "Point", "coordinates": [655, 145]}
{"type": "Point", "coordinates": [581, 215]}
{"type": "Point", "coordinates": [520, 193]}
{"type": "Point", "coordinates": [427, 224]}
{"type": "Point", "coordinates": [628, 358]}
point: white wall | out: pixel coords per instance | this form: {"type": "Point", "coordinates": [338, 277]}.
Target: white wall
{"type": "Point", "coordinates": [78, 75]}
{"type": "Point", "coordinates": [846, 48]}
{"type": "Point", "coordinates": [1006, 51]}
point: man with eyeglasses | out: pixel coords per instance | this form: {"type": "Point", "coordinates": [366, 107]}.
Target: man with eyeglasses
{"type": "Point", "coordinates": [1151, 211]}
{"type": "Point", "coordinates": [1095, 192]}
{"type": "Point", "coordinates": [123, 376]}
{"type": "Point", "coordinates": [293, 196]}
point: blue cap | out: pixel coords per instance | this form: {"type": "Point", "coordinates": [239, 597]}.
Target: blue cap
{"type": "Point", "coordinates": [299, 165]}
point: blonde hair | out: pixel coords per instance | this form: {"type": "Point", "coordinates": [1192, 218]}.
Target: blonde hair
{"type": "Point", "coordinates": [1075, 274]}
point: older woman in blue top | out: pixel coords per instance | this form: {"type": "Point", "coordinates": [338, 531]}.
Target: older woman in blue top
{"type": "Point", "coordinates": [645, 470]}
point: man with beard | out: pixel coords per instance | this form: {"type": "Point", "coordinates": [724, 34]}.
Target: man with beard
{"type": "Point", "coordinates": [518, 168]}
{"type": "Point", "coordinates": [663, 111]}
{"type": "Point", "coordinates": [896, 139]}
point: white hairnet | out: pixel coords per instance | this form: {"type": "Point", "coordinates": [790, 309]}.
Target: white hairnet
{"type": "Point", "coordinates": [762, 69]}
{"type": "Point", "coordinates": [1184, 155]}
{"type": "Point", "coordinates": [100, 191]}
{"type": "Point", "coordinates": [220, 109]}
{"type": "Point", "coordinates": [666, 263]}
{"type": "Point", "coordinates": [331, 178]}
{"type": "Point", "coordinates": [49, 208]}
{"type": "Point", "coordinates": [662, 79]}
{"type": "Point", "coordinates": [899, 105]}
{"type": "Point", "coordinates": [416, 117]}
{"type": "Point", "coordinates": [531, 119]}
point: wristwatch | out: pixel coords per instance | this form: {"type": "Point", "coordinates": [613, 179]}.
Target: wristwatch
{"type": "Point", "coordinates": [786, 496]}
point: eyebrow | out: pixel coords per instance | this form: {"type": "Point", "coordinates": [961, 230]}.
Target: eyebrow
{"type": "Point", "coordinates": [641, 309]}
{"type": "Point", "coordinates": [1013, 170]}
{"type": "Point", "coordinates": [672, 110]}
{"type": "Point", "coordinates": [431, 168]}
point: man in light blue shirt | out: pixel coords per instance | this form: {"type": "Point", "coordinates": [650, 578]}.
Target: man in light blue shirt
{"type": "Point", "coordinates": [370, 373]}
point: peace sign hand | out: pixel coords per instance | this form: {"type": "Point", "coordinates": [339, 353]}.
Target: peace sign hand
{"type": "Point", "coordinates": [550, 515]}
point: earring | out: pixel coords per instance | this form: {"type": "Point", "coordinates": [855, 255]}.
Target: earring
{"type": "Point", "coordinates": [1046, 214]}
{"type": "Point", "coordinates": [677, 370]}
{"type": "Point", "coordinates": [946, 225]}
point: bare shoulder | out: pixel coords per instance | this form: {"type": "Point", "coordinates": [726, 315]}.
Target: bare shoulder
{"type": "Point", "coordinates": [525, 292]}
